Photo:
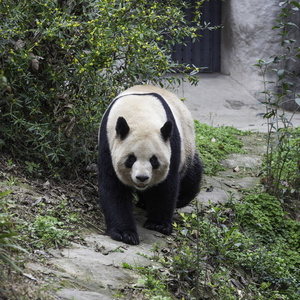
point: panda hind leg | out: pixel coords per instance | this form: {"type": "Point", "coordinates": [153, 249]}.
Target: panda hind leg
{"type": "Point", "coordinates": [190, 183]}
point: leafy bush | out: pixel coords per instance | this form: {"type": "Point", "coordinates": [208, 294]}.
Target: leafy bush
{"type": "Point", "coordinates": [62, 62]}
{"type": "Point", "coordinates": [215, 143]}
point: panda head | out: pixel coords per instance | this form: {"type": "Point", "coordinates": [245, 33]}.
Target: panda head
{"type": "Point", "coordinates": [141, 156]}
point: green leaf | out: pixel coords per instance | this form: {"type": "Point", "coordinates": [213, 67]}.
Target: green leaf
{"type": "Point", "coordinates": [296, 3]}
{"type": "Point", "coordinates": [297, 100]}
{"type": "Point", "coordinates": [3, 194]}
{"type": "Point", "coordinates": [280, 72]}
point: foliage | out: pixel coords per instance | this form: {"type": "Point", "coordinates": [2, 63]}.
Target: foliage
{"type": "Point", "coordinates": [39, 221]}
{"type": "Point", "coordinates": [155, 287]}
{"type": "Point", "coordinates": [247, 249]}
{"type": "Point", "coordinates": [276, 92]}
{"type": "Point", "coordinates": [47, 231]}
{"type": "Point", "coordinates": [7, 235]}
{"type": "Point", "coordinates": [286, 162]}
{"type": "Point", "coordinates": [54, 229]}
{"type": "Point", "coordinates": [215, 143]}
{"type": "Point", "coordinates": [263, 216]}
{"type": "Point", "coordinates": [62, 62]}
{"type": "Point", "coordinates": [277, 259]}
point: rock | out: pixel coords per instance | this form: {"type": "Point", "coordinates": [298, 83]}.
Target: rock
{"type": "Point", "coordinates": [81, 295]}
{"type": "Point", "coordinates": [241, 160]}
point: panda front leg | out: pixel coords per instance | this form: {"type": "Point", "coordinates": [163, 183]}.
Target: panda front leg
{"type": "Point", "coordinates": [160, 206]}
{"type": "Point", "coordinates": [116, 203]}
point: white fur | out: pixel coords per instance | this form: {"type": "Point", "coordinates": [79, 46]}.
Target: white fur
{"type": "Point", "coordinates": [145, 117]}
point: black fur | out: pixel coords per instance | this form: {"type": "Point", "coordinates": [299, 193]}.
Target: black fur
{"type": "Point", "coordinates": [122, 128]}
{"type": "Point", "coordinates": [166, 130]}
{"type": "Point", "coordinates": [160, 200]}
{"type": "Point", "coordinates": [190, 182]}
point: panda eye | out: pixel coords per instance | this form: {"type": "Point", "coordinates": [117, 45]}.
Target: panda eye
{"type": "Point", "coordinates": [131, 159]}
{"type": "Point", "coordinates": [154, 162]}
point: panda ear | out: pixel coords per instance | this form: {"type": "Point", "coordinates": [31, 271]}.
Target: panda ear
{"type": "Point", "coordinates": [122, 128]}
{"type": "Point", "coordinates": [166, 130]}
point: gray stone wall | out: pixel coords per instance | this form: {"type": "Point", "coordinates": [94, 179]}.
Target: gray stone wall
{"type": "Point", "coordinates": [246, 37]}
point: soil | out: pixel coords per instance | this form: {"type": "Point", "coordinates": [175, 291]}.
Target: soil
{"type": "Point", "coordinates": [93, 266]}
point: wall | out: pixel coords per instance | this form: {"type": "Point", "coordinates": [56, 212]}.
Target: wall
{"type": "Point", "coordinates": [246, 37]}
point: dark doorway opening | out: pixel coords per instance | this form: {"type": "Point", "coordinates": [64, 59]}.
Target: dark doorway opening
{"type": "Point", "coordinates": [205, 52]}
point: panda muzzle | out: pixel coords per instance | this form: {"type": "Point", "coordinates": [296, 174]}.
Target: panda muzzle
{"type": "Point", "coordinates": [141, 181]}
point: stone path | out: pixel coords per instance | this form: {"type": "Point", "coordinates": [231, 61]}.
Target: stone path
{"type": "Point", "coordinates": [95, 270]}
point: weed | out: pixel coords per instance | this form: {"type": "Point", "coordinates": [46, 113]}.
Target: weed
{"type": "Point", "coordinates": [275, 93]}
{"type": "Point", "coordinates": [48, 231]}
{"type": "Point", "coordinates": [127, 266]}
{"type": "Point", "coordinates": [154, 284]}
{"type": "Point", "coordinates": [11, 180]}
{"type": "Point", "coordinates": [33, 168]}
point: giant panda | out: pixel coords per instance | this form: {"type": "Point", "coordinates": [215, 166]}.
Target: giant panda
{"type": "Point", "coordinates": [147, 147]}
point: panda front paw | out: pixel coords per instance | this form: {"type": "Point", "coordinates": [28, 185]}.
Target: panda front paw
{"type": "Point", "coordinates": [162, 227]}
{"type": "Point", "coordinates": [126, 236]}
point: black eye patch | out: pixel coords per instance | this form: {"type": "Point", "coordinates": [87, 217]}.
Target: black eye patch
{"type": "Point", "coordinates": [154, 162]}
{"type": "Point", "coordinates": [131, 159]}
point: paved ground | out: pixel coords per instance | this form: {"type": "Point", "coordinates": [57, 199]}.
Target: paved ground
{"type": "Point", "coordinates": [219, 100]}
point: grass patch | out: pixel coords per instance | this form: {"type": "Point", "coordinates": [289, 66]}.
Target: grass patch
{"type": "Point", "coordinates": [215, 143]}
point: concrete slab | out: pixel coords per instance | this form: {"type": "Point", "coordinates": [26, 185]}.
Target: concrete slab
{"type": "Point", "coordinates": [219, 100]}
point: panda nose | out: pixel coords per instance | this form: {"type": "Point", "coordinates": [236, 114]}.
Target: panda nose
{"type": "Point", "coordinates": [142, 178]}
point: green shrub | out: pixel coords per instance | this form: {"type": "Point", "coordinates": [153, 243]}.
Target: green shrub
{"type": "Point", "coordinates": [62, 62]}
